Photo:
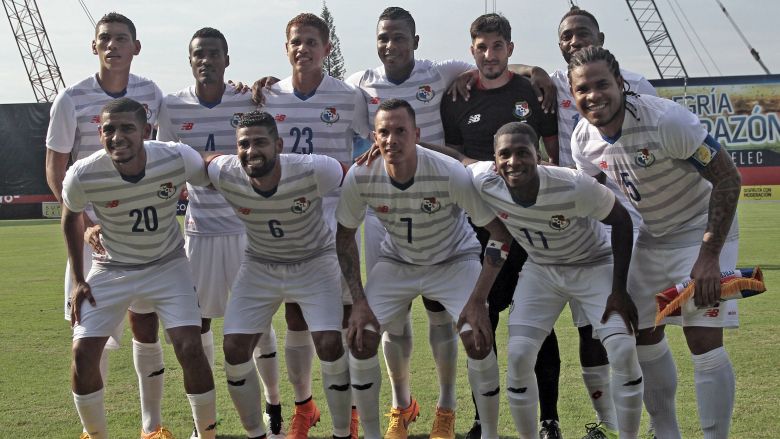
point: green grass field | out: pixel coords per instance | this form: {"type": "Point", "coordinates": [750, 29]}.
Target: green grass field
{"type": "Point", "coordinates": [36, 402]}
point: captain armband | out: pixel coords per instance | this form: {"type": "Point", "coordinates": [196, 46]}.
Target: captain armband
{"type": "Point", "coordinates": [495, 250]}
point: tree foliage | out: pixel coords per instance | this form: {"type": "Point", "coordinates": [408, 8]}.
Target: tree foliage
{"type": "Point", "coordinates": [334, 63]}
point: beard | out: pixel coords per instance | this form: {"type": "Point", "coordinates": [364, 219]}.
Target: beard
{"type": "Point", "coordinates": [255, 172]}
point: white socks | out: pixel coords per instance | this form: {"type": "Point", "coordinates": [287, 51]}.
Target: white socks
{"type": "Point", "coordinates": [204, 413]}
{"type": "Point", "coordinates": [597, 382]}
{"type": "Point", "coordinates": [627, 383]}
{"type": "Point", "coordinates": [299, 354]}
{"type": "Point", "coordinates": [366, 381]}
{"type": "Point", "coordinates": [335, 381]}
{"type": "Point", "coordinates": [92, 413]}
{"type": "Point", "coordinates": [244, 388]}
{"type": "Point", "coordinates": [268, 366]}
{"type": "Point", "coordinates": [443, 338]}
{"type": "Point", "coordinates": [483, 378]}
{"type": "Point", "coordinates": [714, 377]}
{"type": "Point", "coordinates": [148, 360]}
{"type": "Point", "coordinates": [660, 378]}
{"type": "Point", "coordinates": [207, 340]}
{"type": "Point", "coordinates": [398, 353]}
{"type": "Point", "coordinates": [521, 387]}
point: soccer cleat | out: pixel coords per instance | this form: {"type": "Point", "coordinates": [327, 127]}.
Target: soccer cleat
{"type": "Point", "coordinates": [84, 435]}
{"type": "Point", "coordinates": [354, 424]}
{"type": "Point", "coordinates": [400, 420]}
{"type": "Point", "coordinates": [550, 430]}
{"type": "Point", "coordinates": [598, 431]}
{"type": "Point", "coordinates": [475, 432]}
{"type": "Point", "coordinates": [443, 424]}
{"type": "Point", "coordinates": [273, 418]}
{"type": "Point", "coordinates": [305, 417]}
{"type": "Point", "coordinates": [159, 433]}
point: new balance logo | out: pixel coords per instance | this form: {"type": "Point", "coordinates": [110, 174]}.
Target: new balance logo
{"type": "Point", "coordinates": [492, 392]}
{"type": "Point", "coordinates": [237, 383]}
{"type": "Point", "coordinates": [362, 386]}
{"type": "Point", "coordinates": [339, 387]}
{"type": "Point", "coordinates": [95, 119]}
{"type": "Point", "coordinates": [517, 389]}
{"type": "Point", "coordinates": [474, 118]}
{"type": "Point", "coordinates": [157, 373]}
{"type": "Point", "coordinates": [634, 382]}
{"type": "Point", "coordinates": [187, 126]}
{"type": "Point", "coordinates": [712, 312]}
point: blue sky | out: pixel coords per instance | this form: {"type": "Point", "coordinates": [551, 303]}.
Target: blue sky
{"type": "Point", "coordinates": [255, 33]}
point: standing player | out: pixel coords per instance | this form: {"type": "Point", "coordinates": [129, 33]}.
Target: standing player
{"type": "Point", "coordinates": [73, 135]}
{"type": "Point", "coordinates": [429, 250]}
{"type": "Point", "coordinates": [498, 97]}
{"type": "Point", "coordinates": [686, 187]}
{"type": "Point", "coordinates": [133, 187]}
{"type": "Point", "coordinates": [315, 113]}
{"type": "Point", "coordinates": [204, 116]}
{"type": "Point", "coordinates": [290, 256]}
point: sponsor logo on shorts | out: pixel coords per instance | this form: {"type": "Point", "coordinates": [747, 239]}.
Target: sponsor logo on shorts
{"type": "Point", "coordinates": [559, 222]}
{"type": "Point", "coordinates": [503, 215]}
{"type": "Point", "coordinates": [597, 394]}
{"type": "Point", "coordinates": [425, 93]}
{"type": "Point", "coordinates": [300, 205]}
{"type": "Point", "coordinates": [329, 115]}
{"type": "Point", "coordinates": [644, 158]}
{"type": "Point", "coordinates": [244, 210]}
{"type": "Point", "coordinates": [522, 110]}
{"type": "Point", "coordinates": [111, 204]}
{"type": "Point", "coordinates": [430, 205]}
{"type": "Point", "coordinates": [280, 117]}
{"type": "Point", "coordinates": [235, 119]}
{"type": "Point", "coordinates": [712, 312]}
{"type": "Point", "coordinates": [167, 190]}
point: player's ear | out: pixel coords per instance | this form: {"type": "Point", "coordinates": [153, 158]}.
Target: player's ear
{"type": "Point", "coordinates": [416, 40]}
{"type": "Point", "coordinates": [328, 48]}
{"type": "Point", "coordinates": [601, 39]}
{"type": "Point", "coordinates": [147, 131]}
{"type": "Point", "coordinates": [227, 60]}
{"type": "Point", "coordinates": [94, 47]}
{"type": "Point", "coordinates": [416, 134]}
{"type": "Point", "coordinates": [137, 44]}
{"type": "Point", "coordinates": [510, 47]}
{"type": "Point", "coordinates": [279, 145]}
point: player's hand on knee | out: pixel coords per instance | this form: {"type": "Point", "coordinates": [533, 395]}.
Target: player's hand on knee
{"type": "Point", "coordinates": [92, 237]}
{"type": "Point", "coordinates": [706, 276]}
{"type": "Point", "coordinates": [620, 302]}
{"type": "Point", "coordinates": [80, 292]}
{"type": "Point", "coordinates": [461, 86]}
{"type": "Point", "coordinates": [474, 317]}
{"type": "Point", "coordinates": [360, 319]}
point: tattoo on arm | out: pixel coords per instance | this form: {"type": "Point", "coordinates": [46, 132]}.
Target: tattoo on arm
{"type": "Point", "coordinates": [349, 260]}
{"type": "Point", "coordinates": [726, 183]}
{"type": "Point", "coordinates": [622, 244]}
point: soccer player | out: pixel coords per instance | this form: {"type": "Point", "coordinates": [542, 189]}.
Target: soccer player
{"type": "Point", "coordinates": [315, 113]}
{"type": "Point", "coordinates": [290, 256]}
{"type": "Point", "coordinates": [73, 135]}
{"type": "Point", "coordinates": [204, 116]}
{"type": "Point", "coordinates": [133, 187]}
{"type": "Point", "coordinates": [498, 97]}
{"type": "Point", "coordinates": [685, 186]}
{"type": "Point", "coordinates": [429, 250]}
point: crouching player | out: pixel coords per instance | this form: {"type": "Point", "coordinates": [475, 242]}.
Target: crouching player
{"type": "Point", "coordinates": [290, 256]}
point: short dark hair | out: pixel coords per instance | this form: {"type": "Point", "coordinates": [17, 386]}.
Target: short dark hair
{"type": "Point", "coordinates": [593, 54]}
{"type": "Point", "coordinates": [394, 104]}
{"type": "Point", "coordinates": [309, 19]}
{"type": "Point", "coordinates": [210, 32]}
{"type": "Point", "coordinates": [518, 128]}
{"type": "Point", "coordinates": [259, 119]}
{"type": "Point", "coordinates": [396, 13]}
{"type": "Point", "coordinates": [491, 23]}
{"type": "Point", "coordinates": [116, 17]}
{"type": "Point", "coordinates": [125, 105]}
{"type": "Point", "coordinates": [577, 12]}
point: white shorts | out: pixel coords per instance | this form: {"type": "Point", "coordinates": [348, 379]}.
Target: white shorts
{"type": "Point", "coordinates": [655, 269]}
{"type": "Point", "coordinates": [215, 261]}
{"type": "Point", "coordinates": [392, 286]}
{"type": "Point", "coordinates": [260, 289]}
{"type": "Point", "coordinates": [166, 289]}
{"type": "Point", "coordinates": [543, 290]}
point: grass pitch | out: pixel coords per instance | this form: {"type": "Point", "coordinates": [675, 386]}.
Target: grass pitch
{"type": "Point", "coordinates": [36, 401]}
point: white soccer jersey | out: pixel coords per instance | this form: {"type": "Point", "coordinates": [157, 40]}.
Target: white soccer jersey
{"type": "Point", "coordinates": [322, 123]}
{"type": "Point", "coordinates": [424, 218]}
{"type": "Point", "coordinates": [75, 113]}
{"type": "Point", "coordinates": [286, 225]}
{"type": "Point", "coordinates": [138, 218]}
{"type": "Point", "coordinates": [424, 90]}
{"type": "Point", "coordinates": [184, 118]}
{"type": "Point", "coordinates": [568, 116]}
{"type": "Point", "coordinates": [562, 227]}
{"type": "Point", "coordinates": [649, 160]}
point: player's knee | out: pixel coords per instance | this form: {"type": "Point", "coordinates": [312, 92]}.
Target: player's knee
{"type": "Point", "coordinates": [328, 345]}
{"type": "Point", "coordinates": [236, 349]}
{"type": "Point", "coordinates": [621, 351]}
{"type": "Point", "coordinates": [144, 326]}
{"type": "Point", "coordinates": [472, 350]}
{"type": "Point", "coordinates": [187, 345]}
{"type": "Point", "coordinates": [293, 315]}
{"type": "Point", "coordinates": [369, 347]}
{"type": "Point", "coordinates": [86, 355]}
{"type": "Point", "coordinates": [521, 352]}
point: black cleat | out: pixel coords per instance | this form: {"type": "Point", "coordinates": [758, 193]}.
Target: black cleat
{"type": "Point", "coordinates": [550, 430]}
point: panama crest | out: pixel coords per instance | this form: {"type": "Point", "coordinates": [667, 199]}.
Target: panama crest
{"type": "Point", "coordinates": [300, 205]}
{"type": "Point", "coordinates": [430, 205]}
{"type": "Point", "coordinates": [329, 115]}
{"type": "Point", "coordinates": [167, 190]}
{"type": "Point", "coordinates": [425, 93]}
{"type": "Point", "coordinates": [522, 110]}
{"type": "Point", "coordinates": [559, 222]}
{"type": "Point", "coordinates": [644, 158]}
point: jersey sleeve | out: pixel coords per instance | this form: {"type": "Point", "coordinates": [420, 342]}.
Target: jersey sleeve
{"type": "Point", "coordinates": [328, 172]}
{"type": "Point", "coordinates": [580, 160]}
{"type": "Point", "coordinates": [450, 69]}
{"type": "Point", "coordinates": [360, 116]}
{"type": "Point", "coordinates": [215, 169]}
{"type": "Point", "coordinates": [62, 124]}
{"type": "Point", "coordinates": [593, 199]}
{"type": "Point", "coordinates": [351, 208]}
{"type": "Point", "coordinates": [158, 99]}
{"type": "Point", "coordinates": [680, 131]}
{"type": "Point", "coordinates": [165, 130]}
{"type": "Point", "coordinates": [194, 168]}
{"type": "Point", "coordinates": [354, 79]}
{"type": "Point", "coordinates": [468, 198]}
{"type": "Point", "coordinates": [73, 196]}
{"type": "Point", "coordinates": [643, 87]}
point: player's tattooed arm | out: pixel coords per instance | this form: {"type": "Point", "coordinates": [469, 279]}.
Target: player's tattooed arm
{"type": "Point", "coordinates": [622, 242]}
{"type": "Point", "coordinates": [73, 229]}
{"type": "Point", "coordinates": [726, 183]}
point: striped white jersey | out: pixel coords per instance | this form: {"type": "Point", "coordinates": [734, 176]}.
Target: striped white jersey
{"type": "Point", "coordinates": [649, 159]}
{"type": "Point", "coordinates": [562, 226]}
{"type": "Point", "coordinates": [322, 123]}
{"type": "Point", "coordinates": [208, 129]}
{"type": "Point", "coordinates": [138, 216]}
{"type": "Point", "coordinates": [286, 225]}
{"type": "Point", "coordinates": [424, 218]}
{"type": "Point", "coordinates": [424, 90]}
{"type": "Point", "coordinates": [75, 113]}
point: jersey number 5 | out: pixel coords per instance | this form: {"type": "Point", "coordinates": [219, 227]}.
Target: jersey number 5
{"type": "Point", "coordinates": [630, 187]}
